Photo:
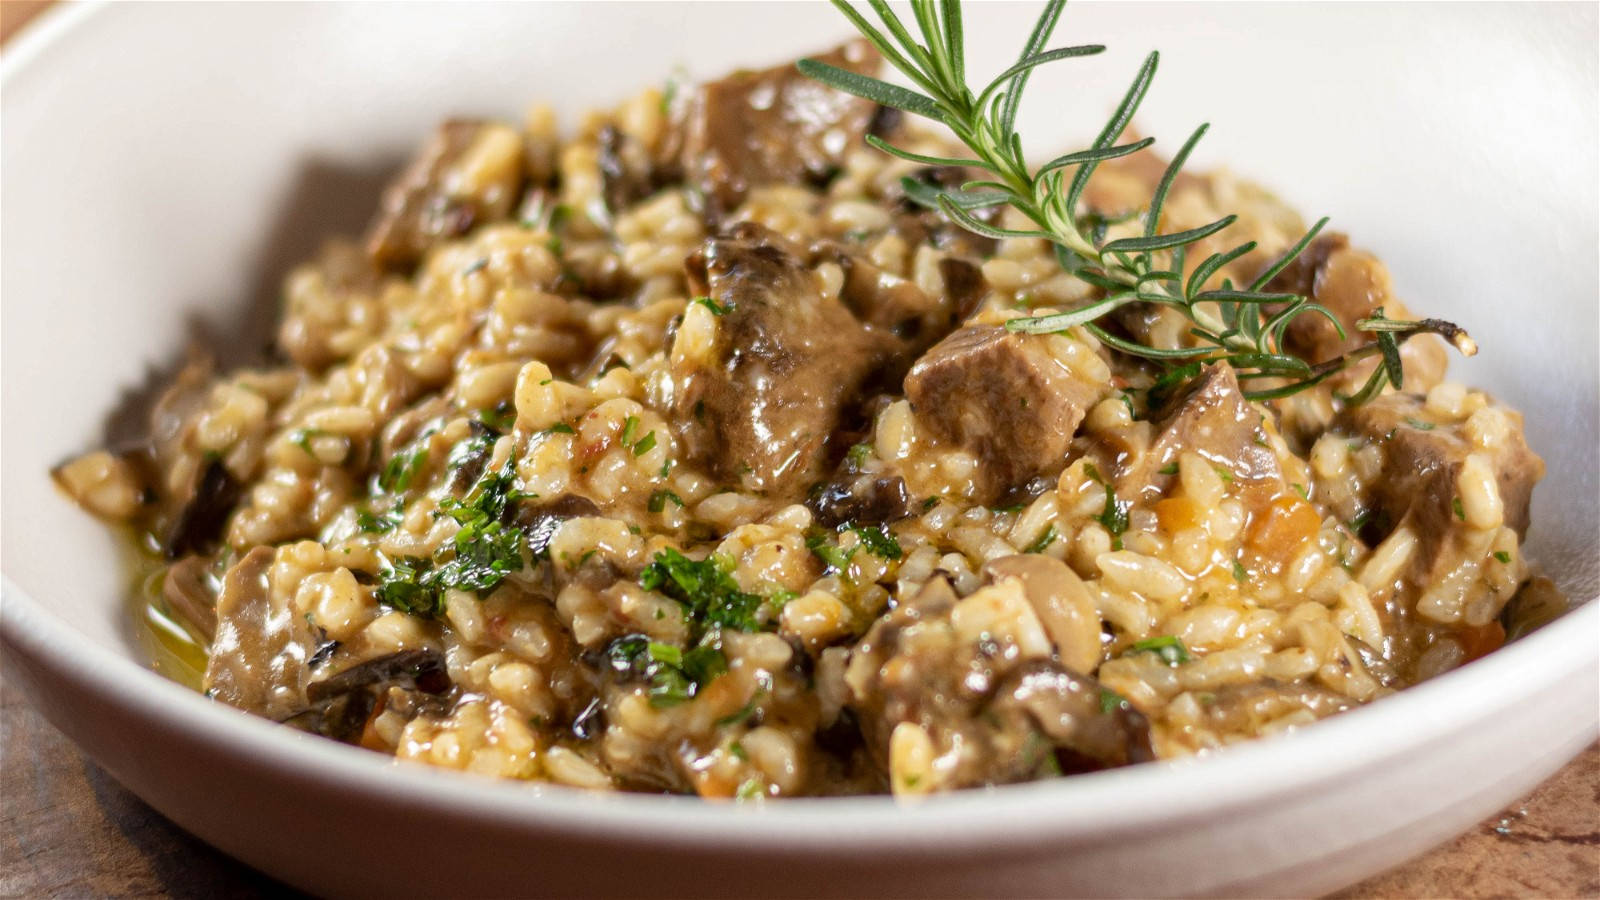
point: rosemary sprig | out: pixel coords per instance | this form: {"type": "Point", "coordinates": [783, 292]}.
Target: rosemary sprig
{"type": "Point", "coordinates": [1244, 326]}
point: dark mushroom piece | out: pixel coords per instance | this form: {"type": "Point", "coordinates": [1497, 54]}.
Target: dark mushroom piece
{"type": "Point", "coordinates": [187, 589]}
{"type": "Point", "coordinates": [202, 517]}
{"type": "Point", "coordinates": [340, 706]}
{"type": "Point", "coordinates": [468, 174]}
{"type": "Point", "coordinates": [991, 717]}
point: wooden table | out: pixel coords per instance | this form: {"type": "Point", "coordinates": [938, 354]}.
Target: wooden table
{"type": "Point", "coordinates": [68, 830]}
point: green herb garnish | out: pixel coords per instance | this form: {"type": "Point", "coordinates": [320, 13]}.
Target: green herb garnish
{"type": "Point", "coordinates": [716, 308]}
{"type": "Point", "coordinates": [1043, 541]}
{"type": "Point", "coordinates": [658, 500]}
{"type": "Point", "coordinates": [1455, 504]}
{"type": "Point", "coordinates": [403, 467]}
{"type": "Point", "coordinates": [1114, 517]}
{"type": "Point", "coordinates": [1503, 557]}
{"type": "Point", "coordinates": [1245, 326]}
{"type": "Point", "coordinates": [835, 557]}
{"type": "Point", "coordinates": [878, 540]}
{"type": "Point", "coordinates": [501, 418]}
{"type": "Point", "coordinates": [710, 596]}
{"type": "Point", "coordinates": [1169, 648]}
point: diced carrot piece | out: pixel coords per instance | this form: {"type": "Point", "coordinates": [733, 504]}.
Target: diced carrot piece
{"type": "Point", "coordinates": [1178, 514]}
{"type": "Point", "coordinates": [1280, 531]}
{"type": "Point", "coordinates": [1478, 640]}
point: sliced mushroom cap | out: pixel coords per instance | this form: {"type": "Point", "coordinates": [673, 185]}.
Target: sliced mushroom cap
{"type": "Point", "coordinates": [186, 587]}
{"type": "Point", "coordinates": [258, 659]}
{"type": "Point", "coordinates": [1070, 711]}
{"type": "Point", "coordinates": [341, 706]}
{"type": "Point", "coordinates": [1062, 602]}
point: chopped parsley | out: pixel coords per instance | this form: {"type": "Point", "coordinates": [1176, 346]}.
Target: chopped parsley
{"type": "Point", "coordinates": [1111, 701]}
{"type": "Point", "coordinates": [1169, 648]}
{"type": "Point", "coordinates": [501, 418]}
{"type": "Point", "coordinates": [1361, 519]}
{"type": "Point", "coordinates": [560, 428]}
{"type": "Point", "coordinates": [751, 789]}
{"type": "Point", "coordinates": [1170, 468]}
{"type": "Point", "coordinates": [381, 523]}
{"type": "Point", "coordinates": [301, 437]}
{"type": "Point", "coordinates": [1043, 541]}
{"type": "Point", "coordinates": [709, 595]}
{"type": "Point", "coordinates": [1418, 424]}
{"type": "Point", "coordinates": [1461, 513]}
{"type": "Point", "coordinates": [658, 500]}
{"type": "Point", "coordinates": [742, 713]}
{"type": "Point", "coordinates": [484, 551]}
{"type": "Point", "coordinates": [859, 454]}
{"type": "Point", "coordinates": [1301, 489]}
{"type": "Point", "coordinates": [878, 541]}
{"type": "Point", "coordinates": [836, 557]}
{"type": "Point", "coordinates": [1503, 557]}
{"type": "Point", "coordinates": [1114, 517]}
{"type": "Point", "coordinates": [402, 586]}
{"type": "Point", "coordinates": [630, 427]}
{"type": "Point", "coordinates": [1239, 574]}
{"type": "Point", "coordinates": [403, 467]}
{"type": "Point", "coordinates": [930, 503]}
{"type": "Point", "coordinates": [1224, 474]}
{"type": "Point", "coordinates": [738, 751]}
{"type": "Point", "coordinates": [716, 308]}
{"type": "Point", "coordinates": [675, 675]}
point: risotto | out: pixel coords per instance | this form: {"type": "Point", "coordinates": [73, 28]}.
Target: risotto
{"type": "Point", "coordinates": [687, 453]}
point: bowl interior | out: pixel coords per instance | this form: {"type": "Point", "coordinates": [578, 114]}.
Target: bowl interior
{"type": "Point", "coordinates": [157, 189]}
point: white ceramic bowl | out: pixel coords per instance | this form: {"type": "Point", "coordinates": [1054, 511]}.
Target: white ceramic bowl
{"type": "Point", "coordinates": [164, 163]}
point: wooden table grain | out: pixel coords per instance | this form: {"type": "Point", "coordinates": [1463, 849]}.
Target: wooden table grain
{"type": "Point", "coordinates": [67, 829]}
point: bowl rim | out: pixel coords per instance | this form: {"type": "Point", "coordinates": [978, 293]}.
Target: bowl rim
{"type": "Point", "coordinates": [1096, 807]}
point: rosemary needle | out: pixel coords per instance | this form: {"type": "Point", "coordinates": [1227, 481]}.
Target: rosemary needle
{"type": "Point", "coordinates": [1242, 326]}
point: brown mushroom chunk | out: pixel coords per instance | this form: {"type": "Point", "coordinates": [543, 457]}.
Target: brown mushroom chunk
{"type": "Point", "coordinates": [897, 305]}
{"type": "Point", "coordinates": [1062, 602]}
{"type": "Point", "coordinates": [468, 174]}
{"type": "Point", "coordinates": [1209, 416]}
{"type": "Point", "coordinates": [1353, 284]}
{"type": "Point", "coordinates": [186, 587]}
{"type": "Point", "coordinates": [1422, 464]}
{"type": "Point", "coordinates": [258, 658]}
{"type": "Point", "coordinates": [862, 499]}
{"type": "Point", "coordinates": [627, 172]}
{"type": "Point", "coordinates": [773, 126]}
{"type": "Point", "coordinates": [1003, 397]}
{"type": "Point", "coordinates": [540, 521]}
{"type": "Point", "coordinates": [760, 406]}
{"type": "Point", "coordinates": [202, 517]}
{"type": "Point", "coordinates": [1069, 712]}
{"type": "Point", "coordinates": [919, 224]}
{"type": "Point", "coordinates": [341, 705]}
{"type": "Point", "coordinates": [994, 711]}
